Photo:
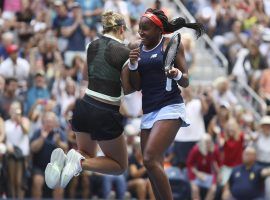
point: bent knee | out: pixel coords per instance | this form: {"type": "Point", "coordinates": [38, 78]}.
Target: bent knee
{"type": "Point", "coordinates": [150, 162]}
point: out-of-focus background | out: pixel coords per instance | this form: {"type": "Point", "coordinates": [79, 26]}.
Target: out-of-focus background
{"type": "Point", "coordinates": [42, 55]}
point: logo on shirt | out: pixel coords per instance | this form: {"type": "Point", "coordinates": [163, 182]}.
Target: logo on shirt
{"type": "Point", "coordinates": [251, 176]}
{"type": "Point", "coordinates": [237, 175]}
{"type": "Point", "coordinates": [153, 55]}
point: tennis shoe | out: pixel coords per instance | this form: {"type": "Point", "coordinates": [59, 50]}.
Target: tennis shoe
{"type": "Point", "coordinates": [72, 167]}
{"type": "Point", "coordinates": [54, 168]}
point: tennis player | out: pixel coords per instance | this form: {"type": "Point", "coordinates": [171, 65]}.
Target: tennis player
{"type": "Point", "coordinates": [163, 111]}
{"type": "Point", "coordinates": [96, 118]}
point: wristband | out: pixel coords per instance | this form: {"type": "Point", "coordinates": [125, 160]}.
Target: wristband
{"type": "Point", "coordinates": [179, 75]}
{"type": "Point", "coordinates": [133, 67]}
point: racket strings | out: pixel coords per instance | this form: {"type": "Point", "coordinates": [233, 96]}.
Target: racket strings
{"type": "Point", "coordinates": [171, 53]}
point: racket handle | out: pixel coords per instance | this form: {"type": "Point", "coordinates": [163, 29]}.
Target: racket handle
{"type": "Point", "coordinates": [169, 84]}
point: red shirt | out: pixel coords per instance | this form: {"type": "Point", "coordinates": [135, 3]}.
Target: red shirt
{"type": "Point", "coordinates": [233, 151]}
{"type": "Point", "coordinates": [202, 163]}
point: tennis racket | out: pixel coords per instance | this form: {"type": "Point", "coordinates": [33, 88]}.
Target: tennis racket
{"type": "Point", "coordinates": [169, 56]}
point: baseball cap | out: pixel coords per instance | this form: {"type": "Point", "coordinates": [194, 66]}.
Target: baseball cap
{"type": "Point", "coordinates": [265, 120]}
{"type": "Point", "coordinates": [40, 73]}
{"type": "Point", "coordinates": [58, 3]}
{"type": "Point", "coordinates": [12, 48]}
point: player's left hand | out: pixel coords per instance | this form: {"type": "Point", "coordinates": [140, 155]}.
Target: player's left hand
{"type": "Point", "coordinates": [172, 73]}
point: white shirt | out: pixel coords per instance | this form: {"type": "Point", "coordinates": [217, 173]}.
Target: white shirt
{"type": "Point", "coordinates": [133, 103]}
{"type": "Point", "coordinates": [15, 136]}
{"type": "Point", "coordinates": [20, 70]}
{"type": "Point", "coordinates": [65, 101]}
{"type": "Point", "coordinates": [226, 98]}
{"type": "Point", "coordinates": [267, 6]}
{"type": "Point", "coordinates": [263, 148]}
{"type": "Point", "coordinates": [196, 129]}
{"type": "Point", "coordinates": [118, 6]}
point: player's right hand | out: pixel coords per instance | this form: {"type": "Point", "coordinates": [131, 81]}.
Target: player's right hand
{"type": "Point", "coordinates": [134, 55]}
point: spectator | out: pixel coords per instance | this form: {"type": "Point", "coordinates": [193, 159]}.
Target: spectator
{"type": "Point", "coordinates": [37, 91]}
{"type": "Point", "coordinates": [246, 181]}
{"type": "Point", "coordinates": [188, 44]}
{"type": "Point", "coordinates": [218, 123]}
{"type": "Point", "coordinates": [7, 40]}
{"type": "Point", "coordinates": [37, 110]}
{"type": "Point", "coordinates": [15, 66]}
{"type": "Point", "coordinates": [92, 11]}
{"type": "Point", "coordinates": [8, 96]}
{"type": "Point", "coordinates": [2, 85]}
{"type": "Point", "coordinates": [59, 21]}
{"type": "Point", "coordinates": [259, 13]}
{"type": "Point", "coordinates": [222, 93]}
{"type": "Point", "coordinates": [3, 148]}
{"type": "Point", "coordinates": [262, 145]}
{"type": "Point", "coordinates": [59, 83]}
{"type": "Point", "coordinates": [230, 42]}
{"type": "Point", "coordinates": [232, 144]}
{"type": "Point", "coordinates": [47, 138]}
{"type": "Point", "coordinates": [212, 110]}
{"type": "Point", "coordinates": [76, 69]}
{"type": "Point", "coordinates": [68, 96]}
{"type": "Point", "coordinates": [255, 64]}
{"type": "Point", "coordinates": [118, 6]}
{"type": "Point", "coordinates": [17, 141]}
{"type": "Point", "coordinates": [250, 65]}
{"type": "Point", "coordinates": [187, 137]}
{"type": "Point", "coordinates": [224, 17]}
{"type": "Point", "coordinates": [264, 87]}
{"type": "Point", "coordinates": [113, 181]}
{"type": "Point", "coordinates": [248, 127]}
{"type": "Point", "coordinates": [207, 15]}
{"type": "Point", "coordinates": [138, 181]}
{"type": "Point", "coordinates": [75, 30]}
{"type": "Point", "coordinates": [2, 131]}
{"type": "Point", "coordinates": [136, 9]}
{"type": "Point", "coordinates": [203, 165]}
{"type": "Point", "coordinates": [13, 6]}
{"type": "Point", "coordinates": [51, 57]}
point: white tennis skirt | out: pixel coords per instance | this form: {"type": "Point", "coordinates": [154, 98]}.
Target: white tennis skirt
{"type": "Point", "coordinates": [173, 111]}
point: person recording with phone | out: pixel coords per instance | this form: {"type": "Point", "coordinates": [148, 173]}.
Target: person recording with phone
{"type": "Point", "coordinates": [163, 111]}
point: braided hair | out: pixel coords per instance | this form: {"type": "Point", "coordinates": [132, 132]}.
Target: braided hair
{"type": "Point", "coordinates": [176, 24]}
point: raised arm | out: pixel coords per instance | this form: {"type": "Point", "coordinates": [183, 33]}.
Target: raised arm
{"type": "Point", "coordinates": [134, 75]}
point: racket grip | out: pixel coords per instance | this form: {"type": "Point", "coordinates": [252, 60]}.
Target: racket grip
{"type": "Point", "coordinates": [169, 84]}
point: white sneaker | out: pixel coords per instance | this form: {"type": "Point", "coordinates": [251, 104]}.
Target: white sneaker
{"type": "Point", "coordinates": [54, 168]}
{"type": "Point", "coordinates": [72, 167]}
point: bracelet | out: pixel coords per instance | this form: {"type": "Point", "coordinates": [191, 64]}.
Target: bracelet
{"type": "Point", "coordinates": [179, 75]}
{"type": "Point", "coordinates": [133, 67]}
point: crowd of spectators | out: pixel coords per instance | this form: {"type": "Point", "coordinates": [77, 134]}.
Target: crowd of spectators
{"type": "Point", "coordinates": [240, 28]}
{"type": "Point", "coordinates": [223, 153]}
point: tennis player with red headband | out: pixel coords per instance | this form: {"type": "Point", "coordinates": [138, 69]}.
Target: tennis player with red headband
{"type": "Point", "coordinates": [163, 111]}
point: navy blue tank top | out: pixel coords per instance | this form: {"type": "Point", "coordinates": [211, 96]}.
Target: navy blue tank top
{"type": "Point", "coordinates": [153, 80]}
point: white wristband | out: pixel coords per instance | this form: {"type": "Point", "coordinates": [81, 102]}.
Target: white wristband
{"type": "Point", "coordinates": [133, 67]}
{"type": "Point", "coordinates": [179, 75]}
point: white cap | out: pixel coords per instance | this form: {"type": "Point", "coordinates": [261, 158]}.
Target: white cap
{"type": "Point", "coordinates": [265, 120]}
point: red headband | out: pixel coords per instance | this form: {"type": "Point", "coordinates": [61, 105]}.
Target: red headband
{"type": "Point", "coordinates": [154, 19]}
